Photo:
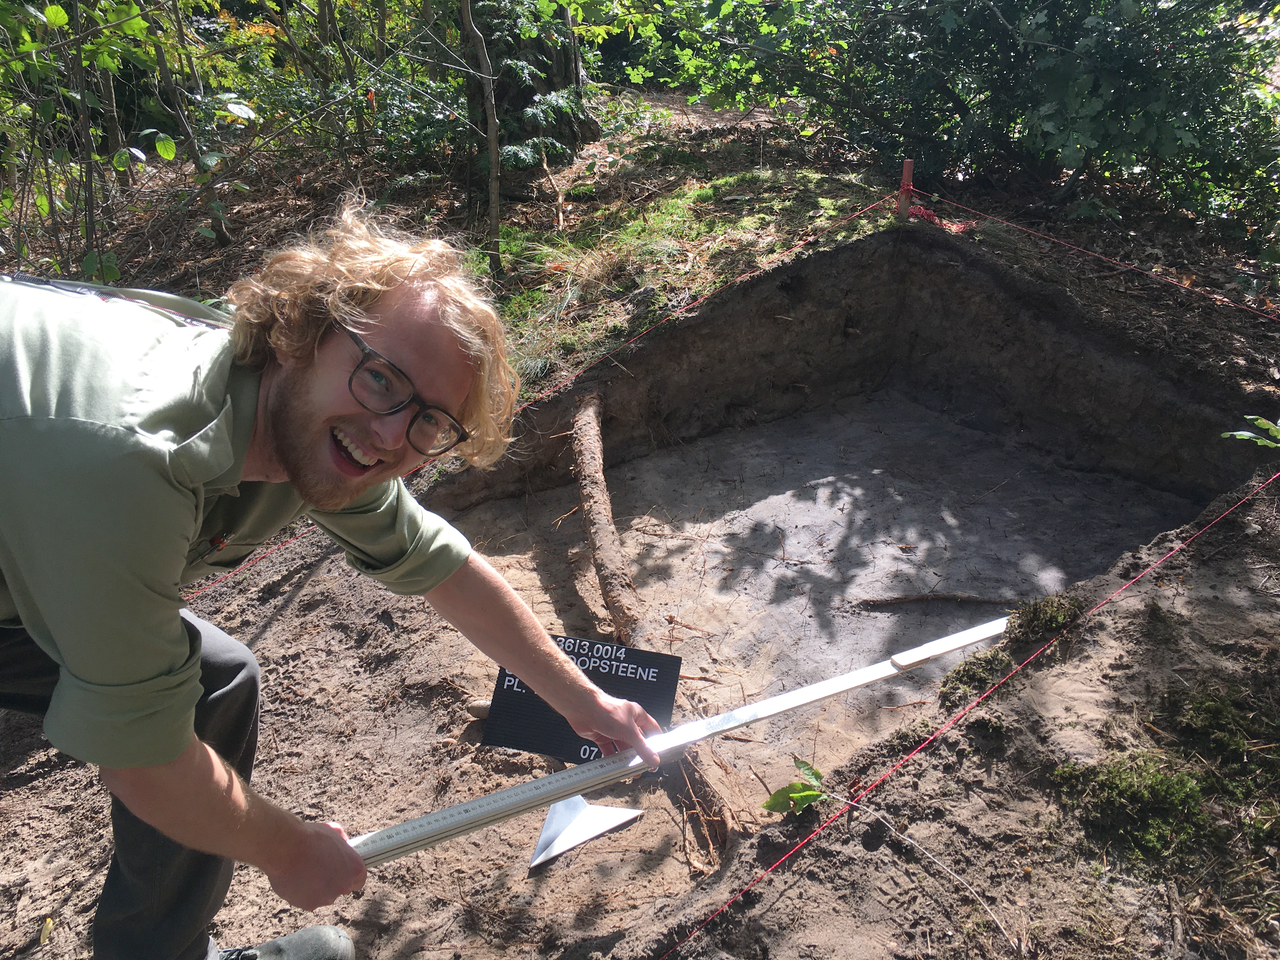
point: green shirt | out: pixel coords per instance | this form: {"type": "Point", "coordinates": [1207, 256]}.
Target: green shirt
{"type": "Point", "coordinates": [123, 435]}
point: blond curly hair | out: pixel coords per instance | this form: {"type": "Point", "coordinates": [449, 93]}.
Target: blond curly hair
{"type": "Point", "coordinates": [335, 274]}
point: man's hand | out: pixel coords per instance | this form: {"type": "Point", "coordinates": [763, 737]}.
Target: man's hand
{"type": "Point", "coordinates": [613, 725]}
{"type": "Point", "coordinates": [324, 868]}
{"type": "Point", "coordinates": [483, 606]}
{"type": "Point", "coordinates": [199, 801]}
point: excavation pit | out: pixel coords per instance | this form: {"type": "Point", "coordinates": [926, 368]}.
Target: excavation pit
{"type": "Point", "coordinates": [853, 454]}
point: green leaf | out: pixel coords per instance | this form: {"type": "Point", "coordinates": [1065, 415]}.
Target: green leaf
{"type": "Point", "coordinates": [948, 21]}
{"type": "Point", "coordinates": [241, 110]}
{"type": "Point", "coordinates": [108, 272]}
{"type": "Point", "coordinates": [803, 798]}
{"type": "Point", "coordinates": [165, 146]}
{"type": "Point", "coordinates": [1247, 435]}
{"type": "Point", "coordinates": [1266, 425]}
{"type": "Point", "coordinates": [792, 798]}
{"type": "Point", "coordinates": [205, 232]}
{"type": "Point", "coordinates": [811, 774]}
{"type": "Point", "coordinates": [55, 16]}
{"type": "Point", "coordinates": [90, 264]}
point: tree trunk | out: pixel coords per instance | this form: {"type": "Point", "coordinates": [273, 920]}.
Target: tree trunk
{"type": "Point", "coordinates": [86, 136]}
{"type": "Point", "coordinates": [349, 68]}
{"type": "Point", "coordinates": [380, 33]}
{"type": "Point", "coordinates": [597, 516]}
{"type": "Point", "coordinates": [180, 33]}
{"type": "Point", "coordinates": [559, 61]}
{"type": "Point", "coordinates": [111, 124]}
{"type": "Point", "coordinates": [491, 133]}
{"type": "Point", "coordinates": [217, 222]}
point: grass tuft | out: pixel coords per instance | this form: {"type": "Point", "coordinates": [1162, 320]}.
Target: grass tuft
{"type": "Point", "coordinates": [1035, 621]}
{"type": "Point", "coordinates": [973, 677]}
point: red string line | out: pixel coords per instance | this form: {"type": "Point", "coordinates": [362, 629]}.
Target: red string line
{"type": "Point", "coordinates": [954, 720]}
{"type": "Point", "coordinates": [249, 563]}
{"type": "Point", "coordinates": [687, 307]}
{"type": "Point", "coordinates": [1215, 297]}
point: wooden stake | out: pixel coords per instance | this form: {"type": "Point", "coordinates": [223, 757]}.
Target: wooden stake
{"type": "Point", "coordinates": [904, 191]}
{"type": "Point", "coordinates": [597, 514]}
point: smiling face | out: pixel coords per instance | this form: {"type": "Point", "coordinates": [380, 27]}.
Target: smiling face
{"type": "Point", "coordinates": [330, 447]}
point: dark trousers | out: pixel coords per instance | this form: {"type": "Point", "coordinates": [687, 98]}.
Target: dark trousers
{"type": "Point", "coordinates": [159, 896]}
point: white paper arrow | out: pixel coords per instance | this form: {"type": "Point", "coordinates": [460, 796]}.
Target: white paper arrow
{"type": "Point", "coordinates": [573, 822]}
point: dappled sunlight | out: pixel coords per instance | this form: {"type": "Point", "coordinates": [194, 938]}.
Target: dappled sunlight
{"type": "Point", "coordinates": [1050, 577]}
{"type": "Point", "coordinates": [814, 545]}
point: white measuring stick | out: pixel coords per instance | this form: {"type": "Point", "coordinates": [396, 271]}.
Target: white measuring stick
{"type": "Point", "coordinates": [434, 828]}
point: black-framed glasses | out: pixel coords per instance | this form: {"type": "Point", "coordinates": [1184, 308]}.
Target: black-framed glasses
{"type": "Point", "coordinates": [383, 388]}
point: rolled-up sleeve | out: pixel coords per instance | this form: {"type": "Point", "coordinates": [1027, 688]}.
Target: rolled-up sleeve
{"type": "Point", "coordinates": [389, 536]}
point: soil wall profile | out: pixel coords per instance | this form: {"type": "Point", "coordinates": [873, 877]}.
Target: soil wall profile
{"type": "Point", "coordinates": [917, 312]}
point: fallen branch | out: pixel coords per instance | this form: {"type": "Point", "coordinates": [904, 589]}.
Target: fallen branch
{"type": "Point", "coordinates": [1178, 942]}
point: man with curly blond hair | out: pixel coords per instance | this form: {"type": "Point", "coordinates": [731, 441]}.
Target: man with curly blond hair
{"type": "Point", "coordinates": [352, 358]}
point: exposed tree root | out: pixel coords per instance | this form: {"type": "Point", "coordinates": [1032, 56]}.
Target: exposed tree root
{"type": "Point", "coordinates": [597, 514]}
{"type": "Point", "coordinates": [916, 598]}
{"type": "Point", "coordinates": [705, 810]}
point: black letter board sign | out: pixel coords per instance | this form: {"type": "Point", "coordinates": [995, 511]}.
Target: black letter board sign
{"type": "Point", "coordinates": [519, 718]}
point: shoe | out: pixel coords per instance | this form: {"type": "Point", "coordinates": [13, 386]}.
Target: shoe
{"type": "Point", "coordinates": [309, 943]}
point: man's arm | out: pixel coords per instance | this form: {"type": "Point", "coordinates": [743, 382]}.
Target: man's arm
{"type": "Point", "coordinates": [483, 606]}
{"type": "Point", "coordinates": [199, 801]}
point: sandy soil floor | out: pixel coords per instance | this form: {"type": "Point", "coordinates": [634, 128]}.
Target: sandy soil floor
{"type": "Point", "coordinates": [772, 556]}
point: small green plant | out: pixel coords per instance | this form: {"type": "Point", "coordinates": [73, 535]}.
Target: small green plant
{"type": "Point", "coordinates": [1260, 440]}
{"type": "Point", "coordinates": [799, 794]}
{"type": "Point", "coordinates": [906, 739]}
